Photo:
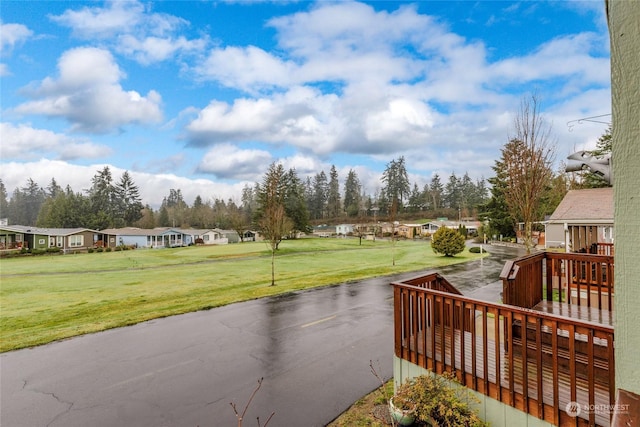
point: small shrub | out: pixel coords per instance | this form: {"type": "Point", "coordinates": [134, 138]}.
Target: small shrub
{"type": "Point", "coordinates": [107, 249]}
{"type": "Point", "coordinates": [447, 241]}
{"type": "Point", "coordinates": [55, 250]}
{"type": "Point", "coordinates": [437, 398]}
{"type": "Point", "coordinates": [90, 250]}
{"type": "Point", "coordinates": [38, 251]}
{"type": "Point", "coordinates": [476, 250]}
{"type": "Point", "coordinates": [99, 250]}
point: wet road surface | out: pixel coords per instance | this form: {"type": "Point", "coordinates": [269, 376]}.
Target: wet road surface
{"type": "Point", "coordinates": [312, 348]}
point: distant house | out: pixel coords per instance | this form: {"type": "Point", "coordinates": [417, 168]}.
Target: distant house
{"type": "Point", "coordinates": [409, 231]}
{"type": "Point", "coordinates": [203, 236]}
{"type": "Point", "coordinates": [67, 239]}
{"type": "Point", "coordinates": [583, 221]}
{"type": "Point", "coordinates": [344, 229]}
{"type": "Point", "coordinates": [473, 227]}
{"type": "Point", "coordinates": [247, 236]}
{"type": "Point", "coordinates": [161, 237]}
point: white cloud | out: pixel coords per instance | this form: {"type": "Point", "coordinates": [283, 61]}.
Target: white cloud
{"type": "Point", "coordinates": [13, 34]}
{"type": "Point", "coordinates": [155, 49]}
{"type": "Point", "coordinates": [24, 142]}
{"type": "Point", "coordinates": [153, 187]}
{"type": "Point", "coordinates": [302, 117]}
{"type": "Point", "coordinates": [379, 75]}
{"type": "Point", "coordinates": [230, 161]}
{"type": "Point", "coordinates": [87, 93]}
{"type": "Point", "coordinates": [97, 22]}
{"type": "Point", "coordinates": [132, 29]}
{"type": "Point", "coordinates": [567, 57]}
{"type": "Point", "coordinates": [247, 68]}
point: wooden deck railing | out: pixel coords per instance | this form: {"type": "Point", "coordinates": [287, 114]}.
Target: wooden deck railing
{"type": "Point", "coordinates": [572, 278]}
{"type": "Point", "coordinates": [604, 249]}
{"type": "Point", "coordinates": [554, 360]}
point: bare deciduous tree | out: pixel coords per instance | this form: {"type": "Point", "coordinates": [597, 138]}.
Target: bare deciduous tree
{"type": "Point", "coordinates": [274, 223]}
{"type": "Point", "coordinates": [527, 159]}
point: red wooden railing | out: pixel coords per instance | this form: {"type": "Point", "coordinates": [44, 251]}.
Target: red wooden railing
{"type": "Point", "coordinates": [572, 278]}
{"type": "Point", "coordinates": [554, 360]}
{"type": "Point", "coordinates": [604, 249]}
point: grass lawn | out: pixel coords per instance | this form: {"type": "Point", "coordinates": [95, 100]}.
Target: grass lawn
{"type": "Point", "coordinates": [47, 298]}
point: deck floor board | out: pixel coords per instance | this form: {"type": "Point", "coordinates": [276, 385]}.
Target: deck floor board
{"type": "Point", "coordinates": [601, 392]}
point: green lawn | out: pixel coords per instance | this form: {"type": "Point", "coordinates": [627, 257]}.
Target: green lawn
{"type": "Point", "coordinates": [46, 298]}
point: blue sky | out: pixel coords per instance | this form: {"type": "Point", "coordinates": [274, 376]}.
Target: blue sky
{"type": "Point", "coordinates": [203, 95]}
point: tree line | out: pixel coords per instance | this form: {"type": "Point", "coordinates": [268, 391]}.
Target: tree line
{"type": "Point", "coordinates": [112, 202]}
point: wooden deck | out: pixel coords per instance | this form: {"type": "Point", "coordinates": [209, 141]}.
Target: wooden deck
{"type": "Point", "coordinates": [498, 368]}
{"type": "Point", "coordinates": [536, 359]}
{"type": "Point", "coordinates": [574, 311]}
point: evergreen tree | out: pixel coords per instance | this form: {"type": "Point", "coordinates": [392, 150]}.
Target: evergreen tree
{"type": "Point", "coordinates": [496, 212]}
{"type": "Point", "coordinates": [452, 195]}
{"type": "Point", "coordinates": [176, 210]}
{"type": "Point", "coordinates": [103, 200]}
{"type": "Point", "coordinates": [294, 203]}
{"type": "Point", "coordinates": [25, 204]}
{"type": "Point", "coordinates": [416, 199]}
{"type": "Point", "coordinates": [66, 210]}
{"type": "Point", "coordinates": [201, 214]}
{"type": "Point", "coordinates": [320, 194]}
{"type": "Point", "coordinates": [127, 202]}
{"type": "Point", "coordinates": [333, 194]}
{"type": "Point", "coordinates": [436, 190]}
{"type": "Point", "coordinates": [396, 183]}
{"type": "Point", "coordinates": [163, 217]}
{"type": "Point", "coordinates": [447, 241]}
{"type": "Point", "coordinates": [352, 194]}
{"type": "Point", "coordinates": [4, 202]}
{"type": "Point", "coordinates": [53, 189]}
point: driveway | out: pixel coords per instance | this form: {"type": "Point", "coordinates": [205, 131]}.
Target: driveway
{"type": "Point", "coordinates": [312, 348]}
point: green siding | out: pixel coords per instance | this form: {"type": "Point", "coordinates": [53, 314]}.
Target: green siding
{"type": "Point", "coordinates": [624, 31]}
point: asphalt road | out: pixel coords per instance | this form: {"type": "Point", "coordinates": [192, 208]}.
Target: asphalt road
{"type": "Point", "coordinates": [312, 348]}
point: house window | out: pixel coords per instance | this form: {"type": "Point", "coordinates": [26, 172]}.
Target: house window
{"type": "Point", "coordinates": [76, 241]}
{"type": "Point", "coordinates": [41, 242]}
{"type": "Point", "coordinates": [60, 241]}
{"type": "Point", "coordinates": [205, 237]}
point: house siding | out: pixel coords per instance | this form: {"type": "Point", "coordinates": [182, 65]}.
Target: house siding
{"type": "Point", "coordinates": [624, 30]}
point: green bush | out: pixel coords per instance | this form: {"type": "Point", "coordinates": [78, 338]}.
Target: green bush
{"type": "Point", "coordinates": [107, 249]}
{"type": "Point", "coordinates": [55, 250]}
{"type": "Point", "coordinates": [476, 250]}
{"type": "Point", "coordinates": [440, 400]}
{"type": "Point", "coordinates": [90, 250]}
{"type": "Point", "coordinates": [99, 250]}
{"type": "Point", "coordinates": [38, 251]}
{"type": "Point", "coordinates": [447, 241]}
